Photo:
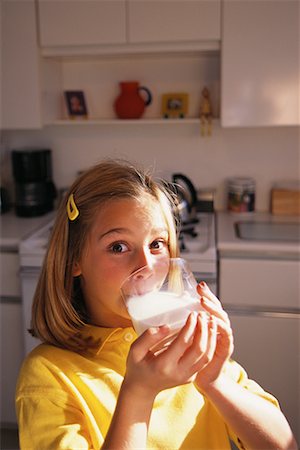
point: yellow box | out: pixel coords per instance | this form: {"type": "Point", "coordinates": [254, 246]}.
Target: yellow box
{"type": "Point", "coordinates": [175, 105]}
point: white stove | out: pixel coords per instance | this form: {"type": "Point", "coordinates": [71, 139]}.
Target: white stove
{"type": "Point", "coordinates": [32, 250]}
{"type": "Point", "coordinates": [198, 242]}
{"type": "Point", "coordinates": [198, 247]}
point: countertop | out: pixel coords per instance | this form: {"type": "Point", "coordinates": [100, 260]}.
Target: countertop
{"type": "Point", "coordinates": [229, 244]}
{"type": "Point", "coordinates": [13, 228]}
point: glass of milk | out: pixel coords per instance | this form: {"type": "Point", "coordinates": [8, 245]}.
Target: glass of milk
{"type": "Point", "coordinates": [162, 294]}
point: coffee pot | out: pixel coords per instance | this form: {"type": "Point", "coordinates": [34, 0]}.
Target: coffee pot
{"type": "Point", "coordinates": [35, 191]}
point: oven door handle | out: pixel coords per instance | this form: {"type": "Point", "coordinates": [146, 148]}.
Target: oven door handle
{"type": "Point", "coordinates": [203, 276]}
{"type": "Point", "coordinates": [29, 271]}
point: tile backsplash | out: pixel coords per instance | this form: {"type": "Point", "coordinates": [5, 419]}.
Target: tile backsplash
{"type": "Point", "coordinates": [265, 154]}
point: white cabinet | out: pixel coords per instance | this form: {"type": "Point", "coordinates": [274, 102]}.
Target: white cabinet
{"type": "Point", "coordinates": [11, 356]}
{"type": "Point", "coordinates": [261, 282]}
{"type": "Point", "coordinates": [106, 22]}
{"type": "Point", "coordinates": [81, 22]}
{"type": "Point", "coordinates": [50, 46]}
{"type": "Point", "coordinates": [13, 230]}
{"type": "Point", "coordinates": [167, 21]}
{"type": "Point", "coordinates": [10, 274]}
{"type": "Point", "coordinates": [260, 56]}
{"type": "Point", "coordinates": [262, 298]}
{"type": "Point", "coordinates": [268, 348]}
{"type": "Point", "coordinates": [20, 84]}
{"type": "Point", "coordinates": [11, 350]}
{"type": "Point", "coordinates": [76, 36]}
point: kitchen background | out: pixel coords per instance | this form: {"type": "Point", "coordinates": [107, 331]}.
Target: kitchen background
{"type": "Point", "coordinates": [266, 154]}
{"type": "Point", "coordinates": [232, 47]}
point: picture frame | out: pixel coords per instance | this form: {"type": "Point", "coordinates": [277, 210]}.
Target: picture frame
{"type": "Point", "coordinates": [175, 105]}
{"type": "Point", "coordinates": [76, 104]}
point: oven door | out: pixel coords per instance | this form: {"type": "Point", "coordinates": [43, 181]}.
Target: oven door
{"type": "Point", "coordinates": [204, 269]}
{"type": "Point", "coordinates": [29, 280]}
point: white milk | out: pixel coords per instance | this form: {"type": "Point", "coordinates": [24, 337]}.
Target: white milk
{"type": "Point", "coordinates": [161, 308]}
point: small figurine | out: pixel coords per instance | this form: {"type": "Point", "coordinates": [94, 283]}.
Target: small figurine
{"type": "Point", "coordinates": [206, 113]}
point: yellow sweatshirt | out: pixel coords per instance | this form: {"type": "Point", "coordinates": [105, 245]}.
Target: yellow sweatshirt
{"type": "Point", "coordinates": [65, 400]}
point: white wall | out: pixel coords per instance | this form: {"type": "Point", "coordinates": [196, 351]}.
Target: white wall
{"type": "Point", "coordinates": [267, 154]}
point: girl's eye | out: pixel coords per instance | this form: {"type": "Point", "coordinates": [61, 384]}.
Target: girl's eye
{"type": "Point", "coordinates": [158, 244]}
{"type": "Point", "coordinates": [118, 247]}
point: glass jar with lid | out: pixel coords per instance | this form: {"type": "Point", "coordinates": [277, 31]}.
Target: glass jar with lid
{"type": "Point", "coordinates": [241, 194]}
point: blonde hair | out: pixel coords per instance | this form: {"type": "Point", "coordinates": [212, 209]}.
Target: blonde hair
{"type": "Point", "coordinates": [58, 311]}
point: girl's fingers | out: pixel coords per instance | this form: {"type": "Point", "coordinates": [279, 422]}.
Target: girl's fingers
{"type": "Point", "coordinates": [203, 290]}
{"type": "Point", "coordinates": [203, 346]}
{"type": "Point", "coordinates": [151, 337]}
{"type": "Point", "coordinates": [199, 343]}
{"type": "Point", "coordinates": [210, 302]}
{"type": "Point", "coordinates": [182, 341]}
{"type": "Point", "coordinates": [214, 309]}
{"type": "Point", "coordinates": [212, 338]}
{"type": "Point", "coordinates": [225, 337]}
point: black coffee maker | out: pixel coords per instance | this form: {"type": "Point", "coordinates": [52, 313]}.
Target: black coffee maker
{"type": "Point", "coordinates": [34, 189]}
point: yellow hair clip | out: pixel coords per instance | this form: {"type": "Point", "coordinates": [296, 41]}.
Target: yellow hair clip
{"type": "Point", "coordinates": [72, 210]}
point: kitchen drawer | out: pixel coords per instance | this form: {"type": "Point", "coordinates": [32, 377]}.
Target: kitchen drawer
{"type": "Point", "coordinates": [9, 274]}
{"type": "Point", "coordinates": [261, 282]}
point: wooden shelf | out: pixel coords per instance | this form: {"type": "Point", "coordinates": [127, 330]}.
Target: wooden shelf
{"type": "Point", "coordinates": [100, 122]}
{"type": "Point", "coordinates": [134, 50]}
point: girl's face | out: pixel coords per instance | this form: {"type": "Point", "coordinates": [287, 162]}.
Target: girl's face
{"type": "Point", "coordinates": [127, 234]}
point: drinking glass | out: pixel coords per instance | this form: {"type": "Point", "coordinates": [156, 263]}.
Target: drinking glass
{"type": "Point", "coordinates": [163, 293]}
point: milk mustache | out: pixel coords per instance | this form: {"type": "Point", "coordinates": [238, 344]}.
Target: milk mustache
{"type": "Point", "coordinates": [161, 308]}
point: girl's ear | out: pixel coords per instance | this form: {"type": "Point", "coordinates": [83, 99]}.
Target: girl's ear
{"type": "Point", "coordinates": [76, 270]}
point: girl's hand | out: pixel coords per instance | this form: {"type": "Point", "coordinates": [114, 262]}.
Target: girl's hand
{"type": "Point", "coordinates": [197, 354]}
{"type": "Point", "coordinates": [221, 338]}
{"type": "Point", "coordinates": [150, 371]}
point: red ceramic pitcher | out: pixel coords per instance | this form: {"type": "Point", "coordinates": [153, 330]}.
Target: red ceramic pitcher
{"type": "Point", "coordinates": [130, 104]}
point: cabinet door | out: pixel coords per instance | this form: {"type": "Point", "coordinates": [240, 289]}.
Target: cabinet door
{"type": "Point", "coordinates": [266, 283]}
{"type": "Point", "coordinates": [81, 22]}
{"type": "Point", "coordinates": [11, 356]}
{"type": "Point", "coordinates": [20, 84]}
{"type": "Point", "coordinates": [10, 275]}
{"type": "Point", "coordinates": [171, 21]}
{"type": "Point", "coordinates": [268, 348]}
{"type": "Point", "coordinates": [29, 283]}
{"type": "Point", "coordinates": [260, 54]}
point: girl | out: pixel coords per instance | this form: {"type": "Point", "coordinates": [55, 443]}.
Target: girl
{"type": "Point", "coordinates": [93, 384]}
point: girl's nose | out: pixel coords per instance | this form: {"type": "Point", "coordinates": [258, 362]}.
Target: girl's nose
{"type": "Point", "coordinates": [151, 266]}
{"type": "Point", "coordinates": [145, 259]}
{"type": "Point", "coordinates": [149, 274]}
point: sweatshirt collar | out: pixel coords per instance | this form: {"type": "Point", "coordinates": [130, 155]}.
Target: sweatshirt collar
{"type": "Point", "coordinates": [102, 335]}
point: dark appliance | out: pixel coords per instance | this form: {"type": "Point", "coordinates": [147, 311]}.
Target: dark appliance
{"type": "Point", "coordinates": [187, 198]}
{"type": "Point", "coordinates": [4, 200]}
{"type": "Point", "coordinates": [190, 206]}
{"type": "Point", "coordinates": [34, 189]}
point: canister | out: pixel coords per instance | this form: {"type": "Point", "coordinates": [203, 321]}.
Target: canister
{"type": "Point", "coordinates": [241, 194]}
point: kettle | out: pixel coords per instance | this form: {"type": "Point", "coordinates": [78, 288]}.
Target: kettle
{"type": "Point", "coordinates": [4, 200]}
{"type": "Point", "coordinates": [187, 198]}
